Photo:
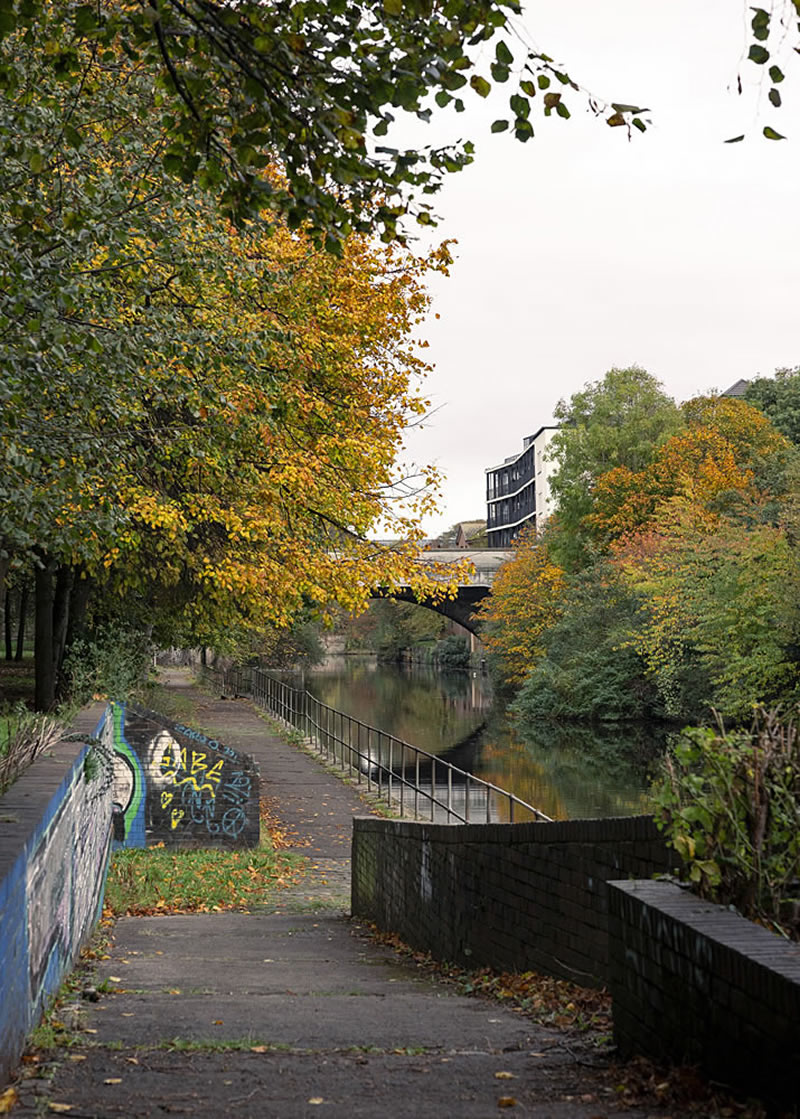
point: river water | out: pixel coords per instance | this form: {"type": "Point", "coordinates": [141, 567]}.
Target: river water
{"type": "Point", "coordinates": [567, 773]}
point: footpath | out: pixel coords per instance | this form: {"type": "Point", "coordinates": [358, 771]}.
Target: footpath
{"type": "Point", "coordinates": [299, 1012]}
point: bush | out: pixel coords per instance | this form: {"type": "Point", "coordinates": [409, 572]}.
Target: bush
{"type": "Point", "coordinates": [589, 671]}
{"type": "Point", "coordinates": [729, 803]}
{"type": "Point", "coordinates": [452, 653]}
{"type": "Point", "coordinates": [114, 662]}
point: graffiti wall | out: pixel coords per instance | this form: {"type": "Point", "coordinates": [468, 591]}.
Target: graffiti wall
{"type": "Point", "coordinates": [55, 834]}
{"type": "Point", "coordinates": [176, 786]}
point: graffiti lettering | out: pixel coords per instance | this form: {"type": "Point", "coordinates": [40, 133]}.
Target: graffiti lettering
{"type": "Point", "coordinates": [186, 786]}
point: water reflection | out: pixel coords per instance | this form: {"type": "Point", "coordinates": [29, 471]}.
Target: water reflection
{"type": "Point", "coordinates": [566, 772]}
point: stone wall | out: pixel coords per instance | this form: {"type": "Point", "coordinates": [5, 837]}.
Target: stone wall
{"type": "Point", "coordinates": [55, 831]}
{"type": "Point", "coordinates": [176, 786]}
{"type": "Point", "coordinates": [511, 896]}
{"type": "Point", "coordinates": [695, 982]}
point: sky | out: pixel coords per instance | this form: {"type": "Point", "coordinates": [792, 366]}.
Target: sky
{"type": "Point", "coordinates": [583, 249]}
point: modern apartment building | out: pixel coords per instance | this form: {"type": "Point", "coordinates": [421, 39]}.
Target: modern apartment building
{"type": "Point", "coordinates": [518, 490]}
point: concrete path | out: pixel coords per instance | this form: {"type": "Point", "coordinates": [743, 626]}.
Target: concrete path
{"type": "Point", "coordinates": [299, 1013]}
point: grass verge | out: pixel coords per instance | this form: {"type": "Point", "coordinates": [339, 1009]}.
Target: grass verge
{"type": "Point", "coordinates": [158, 880]}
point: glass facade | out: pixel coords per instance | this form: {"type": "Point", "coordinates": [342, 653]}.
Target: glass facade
{"type": "Point", "coordinates": [511, 490]}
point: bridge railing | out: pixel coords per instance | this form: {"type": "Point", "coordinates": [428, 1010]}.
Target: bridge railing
{"type": "Point", "coordinates": [413, 782]}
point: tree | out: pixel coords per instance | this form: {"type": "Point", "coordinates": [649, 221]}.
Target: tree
{"type": "Point", "coordinates": [618, 422]}
{"type": "Point", "coordinates": [729, 453]}
{"type": "Point", "coordinates": [590, 671]}
{"type": "Point", "coordinates": [526, 599]}
{"type": "Point", "coordinates": [314, 86]}
{"type": "Point", "coordinates": [715, 609]}
{"type": "Point", "coordinates": [200, 420]}
{"type": "Point", "coordinates": [779, 399]}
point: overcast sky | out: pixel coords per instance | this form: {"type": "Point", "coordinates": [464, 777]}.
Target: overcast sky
{"type": "Point", "coordinates": [582, 250]}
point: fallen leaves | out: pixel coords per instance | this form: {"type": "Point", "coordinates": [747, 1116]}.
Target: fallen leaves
{"type": "Point", "coordinates": [157, 880]}
{"type": "Point", "coordinates": [281, 834]}
{"type": "Point", "coordinates": [7, 1100]}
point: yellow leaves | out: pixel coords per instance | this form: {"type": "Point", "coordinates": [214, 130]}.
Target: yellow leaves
{"type": "Point", "coordinates": [526, 600]}
{"type": "Point", "coordinates": [8, 1099]}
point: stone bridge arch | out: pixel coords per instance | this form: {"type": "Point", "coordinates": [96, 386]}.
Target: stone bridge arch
{"type": "Point", "coordinates": [471, 592]}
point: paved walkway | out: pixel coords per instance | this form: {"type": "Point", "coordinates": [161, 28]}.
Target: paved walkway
{"type": "Point", "coordinates": [299, 1013]}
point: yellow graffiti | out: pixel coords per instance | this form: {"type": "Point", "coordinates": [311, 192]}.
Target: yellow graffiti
{"type": "Point", "coordinates": [166, 799]}
{"type": "Point", "coordinates": [192, 763]}
{"type": "Point", "coordinates": [177, 816]}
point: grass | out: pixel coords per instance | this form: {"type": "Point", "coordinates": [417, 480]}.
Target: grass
{"type": "Point", "coordinates": [158, 880]}
{"type": "Point", "coordinates": [16, 682]}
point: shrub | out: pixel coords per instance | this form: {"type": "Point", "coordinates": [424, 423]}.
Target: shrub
{"type": "Point", "coordinates": [114, 662]}
{"type": "Point", "coordinates": [729, 803]}
{"type": "Point", "coordinates": [452, 653]}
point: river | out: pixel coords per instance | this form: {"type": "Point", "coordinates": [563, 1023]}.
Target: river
{"type": "Point", "coordinates": [567, 773]}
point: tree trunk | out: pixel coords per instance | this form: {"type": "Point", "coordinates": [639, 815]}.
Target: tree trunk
{"type": "Point", "coordinates": [74, 628]}
{"type": "Point", "coordinates": [7, 620]}
{"type": "Point", "coordinates": [44, 648]}
{"type": "Point", "coordinates": [78, 606]}
{"type": "Point", "coordinates": [4, 590]}
{"type": "Point", "coordinates": [21, 621]}
{"type": "Point", "coordinates": [64, 579]}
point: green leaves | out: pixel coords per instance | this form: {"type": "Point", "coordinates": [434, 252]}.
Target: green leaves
{"type": "Point", "coordinates": [758, 54]}
{"type": "Point", "coordinates": [727, 802]}
{"type": "Point", "coordinates": [760, 24]}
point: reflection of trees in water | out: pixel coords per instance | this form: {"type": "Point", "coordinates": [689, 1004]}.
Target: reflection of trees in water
{"type": "Point", "coordinates": [573, 771]}
{"type": "Point", "coordinates": [565, 771]}
{"type": "Point", "coordinates": [431, 710]}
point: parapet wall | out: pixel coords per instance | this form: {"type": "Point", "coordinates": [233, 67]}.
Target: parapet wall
{"type": "Point", "coordinates": [55, 831]}
{"type": "Point", "coordinates": [511, 896]}
{"type": "Point", "coordinates": [695, 982]}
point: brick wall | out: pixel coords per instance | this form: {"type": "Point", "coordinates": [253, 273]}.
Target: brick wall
{"type": "Point", "coordinates": [55, 827]}
{"type": "Point", "coordinates": [694, 982]}
{"type": "Point", "coordinates": [513, 896]}
{"type": "Point", "coordinates": [177, 786]}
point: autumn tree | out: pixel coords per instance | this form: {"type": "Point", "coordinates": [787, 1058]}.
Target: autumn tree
{"type": "Point", "coordinates": [200, 420]}
{"type": "Point", "coordinates": [729, 453]}
{"type": "Point", "coordinates": [616, 423]}
{"type": "Point", "coordinates": [716, 610]}
{"type": "Point", "coordinates": [526, 599]}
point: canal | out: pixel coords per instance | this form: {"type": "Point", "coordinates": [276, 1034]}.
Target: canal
{"type": "Point", "coordinates": [565, 772]}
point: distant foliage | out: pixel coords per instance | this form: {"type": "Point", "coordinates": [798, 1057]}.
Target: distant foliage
{"type": "Point", "coordinates": [778, 398]}
{"type": "Point", "coordinates": [616, 423]}
{"type": "Point", "coordinates": [590, 670]}
{"type": "Point", "coordinates": [452, 653]}
{"type": "Point", "coordinates": [729, 803]}
{"type": "Point", "coordinates": [526, 600]}
{"type": "Point", "coordinates": [114, 662]}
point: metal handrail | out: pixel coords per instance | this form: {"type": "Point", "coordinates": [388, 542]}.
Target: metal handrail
{"type": "Point", "coordinates": [394, 769]}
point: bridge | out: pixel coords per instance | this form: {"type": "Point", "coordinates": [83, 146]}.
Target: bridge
{"type": "Point", "coordinates": [471, 591]}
